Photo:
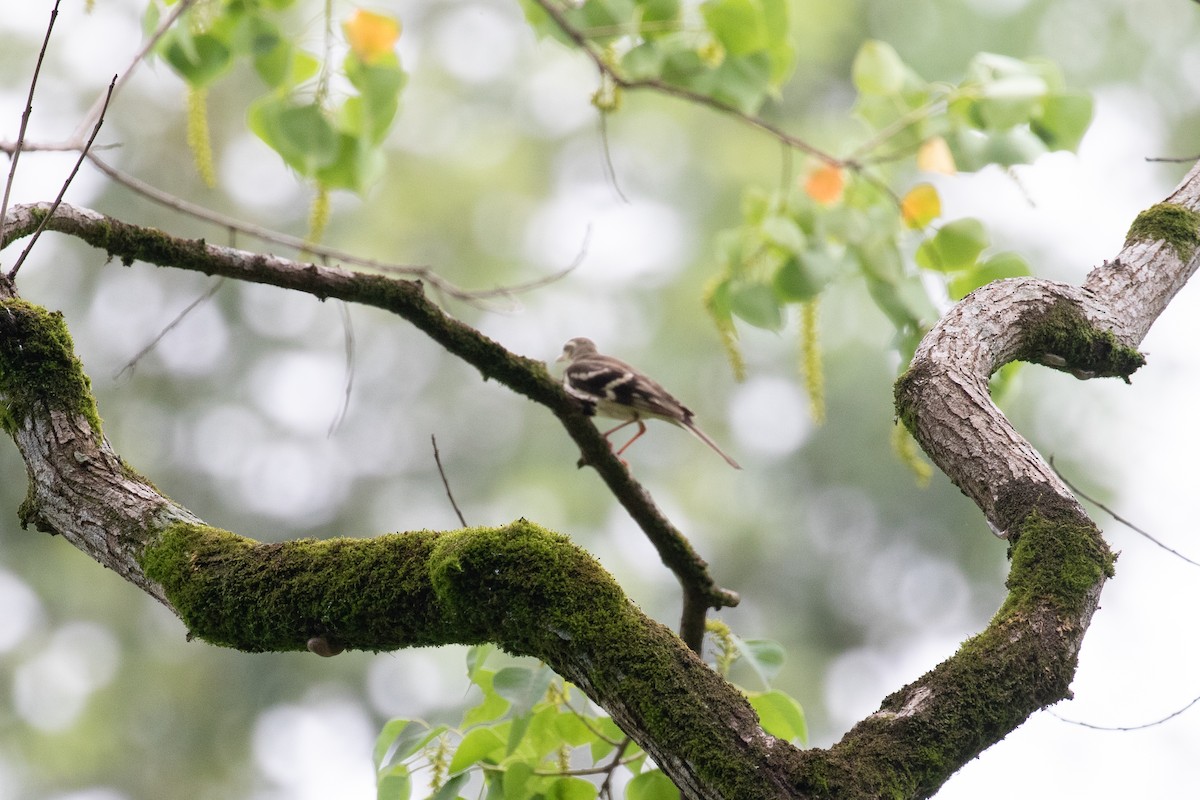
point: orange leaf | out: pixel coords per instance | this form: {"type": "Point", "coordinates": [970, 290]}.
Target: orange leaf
{"type": "Point", "coordinates": [825, 184]}
{"type": "Point", "coordinates": [371, 36]}
{"type": "Point", "coordinates": [935, 156]}
{"type": "Point", "coordinates": [920, 206]}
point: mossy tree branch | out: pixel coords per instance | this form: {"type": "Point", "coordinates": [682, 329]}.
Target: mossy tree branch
{"type": "Point", "coordinates": [534, 592]}
{"type": "Point", "coordinates": [529, 590]}
{"type": "Point", "coordinates": [406, 299]}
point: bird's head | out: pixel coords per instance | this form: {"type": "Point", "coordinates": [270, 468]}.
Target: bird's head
{"type": "Point", "coordinates": [576, 348]}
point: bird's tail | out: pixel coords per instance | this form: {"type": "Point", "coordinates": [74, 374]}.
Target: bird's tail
{"type": "Point", "coordinates": [702, 436]}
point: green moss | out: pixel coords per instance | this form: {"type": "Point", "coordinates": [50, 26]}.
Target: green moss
{"type": "Point", "coordinates": [38, 367]}
{"type": "Point", "coordinates": [528, 589]}
{"type": "Point", "coordinates": [373, 594]}
{"type": "Point", "coordinates": [1056, 558]}
{"type": "Point", "coordinates": [1177, 225]}
{"type": "Point", "coordinates": [905, 392]}
{"type": "Point", "coordinates": [1064, 339]}
{"type": "Point", "coordinates": [993, 682]}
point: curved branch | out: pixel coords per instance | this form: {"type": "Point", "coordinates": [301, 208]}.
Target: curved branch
{"type": "Point", "coordinates": [531, 591]}
{"type": "Point", "coordinates": [535, 593]}
{"type": "Point", "coordinates": [1089, 331]}
{"type": "Point", "coordinates": [406, 299]}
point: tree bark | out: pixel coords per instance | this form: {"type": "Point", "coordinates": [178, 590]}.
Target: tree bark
{"type": "Point", "coordinates": [534, 592]}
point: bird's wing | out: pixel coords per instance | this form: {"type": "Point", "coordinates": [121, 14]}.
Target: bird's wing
{"type": "Point", "coordinates": [616, 389]}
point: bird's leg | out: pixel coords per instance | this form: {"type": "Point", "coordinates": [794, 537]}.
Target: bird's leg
{"type": "Point", "coordinates": [636, 436]}
{"type": "Point", "coordinates": [611, 431]}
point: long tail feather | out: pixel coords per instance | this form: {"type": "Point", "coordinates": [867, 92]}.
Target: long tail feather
{"type": "Point", "coordinates": [702, 436]}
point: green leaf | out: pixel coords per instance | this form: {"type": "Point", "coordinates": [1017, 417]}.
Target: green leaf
{"type": "Point", "coordinates": [783, 231]}
{"type": "Point", "coordinates": [515, 778]}
{"type": "Point", "coordinates": [659, 17]}
{"type": "Point", "coordinates": [478, 745]}
{"type": "Point", "coordinates": [611, 733]}
{"type": "Point", "coordinates": [764, 656]}
{"type": "Point", "coordinates": [477, 657]}
{"type": "Point", "coordinates": [1063, 120]}
{"type": "Point", "coordinates": [757, 304]}
{"type": "Point", "coordinates": [572, 729]}
{"type": "Point", "coordinates": [739, 25]}
{"type": "Point", "coordinates": [1015, 146]}
{"type": "Point", "coordinates": [652, 785]}
{"type": "Point", "coordinates": [395, 784]}
{"type": "Point", "coordinates": [571, 788]}
{"type": "Point", "coordinates": [781, 48]}
{"type": "Point", "coordinates": [199, 59]}
{"type": "Point", "coordinates": [781, 716]}
{"type": "Point", "coordinates": [878, 69]}
{"type": "Point", "coordinates": [301, 134]}
{"type": "Point", "coordinates": [358, 165]}
{"type": "Point", "coordinates": [643, 62]}
{"type": "Point", "coordinates": [905, 302]}
{"type": "Point", "coordinates": [880, 259]}
{"type": "Point", "coordinates": [742, 81]}
{"type": "Point", "coordinates": [449, 790]}
{"type": "Point", "coordinates": [522, 687]}
{"type": "Point", "coordinates": [802, 278]}
{"type": "Point", "coordinates": [379, 85]}
{"type": "Point", "coordinates": [1001, 265]}
{"type": "Point", "coordinates": [400, 738]}
{"type": "Point", "coordinates": [602, 21]}
{"type": "Point", "coordinates": [954, 247]}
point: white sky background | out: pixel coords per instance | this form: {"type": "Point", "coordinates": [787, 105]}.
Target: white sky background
{"type": "Point", "coordinates": [1141, 656]}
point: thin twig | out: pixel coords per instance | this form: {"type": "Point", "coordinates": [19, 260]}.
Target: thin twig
{"type": "Point", "coordinates": [16, 153]}
{"type": "Point", "coordinates": [1143, 726]}
{"type": "Point", "coordinates": [581, 41]}
{"type": "Point", "coordinates": [1119, 518]}
{"type": "Point", "coordinates": [131, 365]}
{"type": "Point", "coordinates": [610, 171]}
{"type": "Point", "coordinates": [348, 341]}
{"type": "Point", "coordinates": [1172, 160]}
{"type": "Point", "coordinates": [12, 274]}
{"type": "Point", "coordinates": [101, 103]}
{"type": "Point", "coordinates": [437, 457]}
{"type": "Point", "coordinates": [606, 786]}
{"type": "Point", "coordinates": [233, 225]}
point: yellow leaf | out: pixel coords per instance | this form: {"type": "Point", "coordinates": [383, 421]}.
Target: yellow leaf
{"type": "Point", "coordinates": [935, 156]}
{"type": "Point", "coordinates": [920, 206]}
{"type": "Point", "coordinates": [371, 36]}
{"type": "Point", "coordinates": [825, 184]}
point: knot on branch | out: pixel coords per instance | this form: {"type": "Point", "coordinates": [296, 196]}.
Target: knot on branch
{"type": "Point", "coordinates": [1062, 338]}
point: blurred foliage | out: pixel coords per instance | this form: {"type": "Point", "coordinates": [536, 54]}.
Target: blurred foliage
{"type": "Point", "coordinates": [534, 735]}
{"type": "Point", "coordinates": [483, 156]}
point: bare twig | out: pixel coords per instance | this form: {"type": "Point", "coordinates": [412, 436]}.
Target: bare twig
{"type": "Point", "coordinates": [97, 109]}
{"type": "Point", "coordinates": [1119, 518]}
{"type": "Point", "coordinates": [1143, 726]}
{"type": "Point", "coordinates": [1173, 160]}
{"type": "Point", "coordinates": [437, 457]}
{"type": "Point", "coordinates": [131, 365]}
{"type": "Point", "coordinates": [16, 153]}
{"type": "Point", "coordinates": [12, 274]}
{"type": "Point", "coordinates": [298, 244]}
{"type": "Point", "coordinates": [610, 171]}
{"type": "Point", "coordinates": [348, 341]}
{"type": "Point", "coordinates": [555, 13]}
{"type": "Point", "coordinates": [611, 769]}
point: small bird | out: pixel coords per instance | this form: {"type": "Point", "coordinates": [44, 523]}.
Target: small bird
{"type": "Point", "coordinates": [611, 388]}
